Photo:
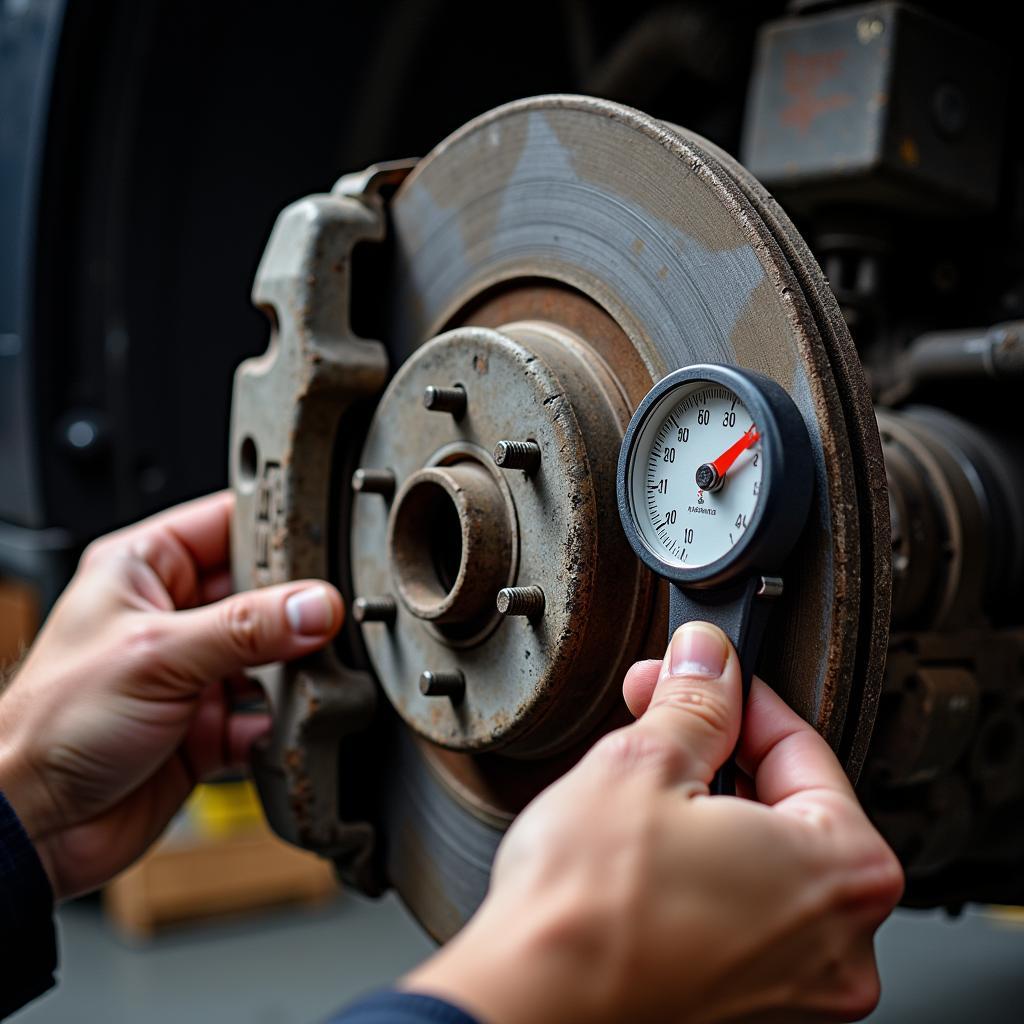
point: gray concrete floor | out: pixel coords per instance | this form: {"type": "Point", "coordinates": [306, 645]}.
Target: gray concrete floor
{"type": "Point", "coordinates": [283, 967]}
{"type": "Point", "coordinates": [299, 966]}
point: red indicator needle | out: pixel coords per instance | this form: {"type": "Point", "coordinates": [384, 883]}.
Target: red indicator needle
{"type": "Point", "coordinates": [730, 455]}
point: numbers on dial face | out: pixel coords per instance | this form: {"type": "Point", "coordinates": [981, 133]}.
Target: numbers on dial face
{"type": "Point", "coordinates": [694, 426]}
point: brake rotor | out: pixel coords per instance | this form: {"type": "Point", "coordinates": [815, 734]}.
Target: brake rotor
{"type": "Point", "coordinates": [577, 229]}
{"type": "Point", "coordinates": [550, 260]}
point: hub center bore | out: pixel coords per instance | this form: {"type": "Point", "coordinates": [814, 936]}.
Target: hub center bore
{"type": "Point", "coordinates": [450, 544]}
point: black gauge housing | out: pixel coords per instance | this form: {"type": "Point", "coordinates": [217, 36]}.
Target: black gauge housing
{"type": "Point", "coordinates": [786, 485]}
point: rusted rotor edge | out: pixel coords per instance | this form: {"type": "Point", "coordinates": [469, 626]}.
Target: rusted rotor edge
{"type": "Point", "coordinates": [868, 465]}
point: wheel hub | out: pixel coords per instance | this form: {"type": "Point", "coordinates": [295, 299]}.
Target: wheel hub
{"type": "Point", "coordinates": [460, 532]}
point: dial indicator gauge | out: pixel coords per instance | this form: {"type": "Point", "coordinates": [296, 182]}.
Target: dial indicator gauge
{"type": "Point", "coordinates": [714, 478]}
{"type": "Point", "coordinates": [696, 474]}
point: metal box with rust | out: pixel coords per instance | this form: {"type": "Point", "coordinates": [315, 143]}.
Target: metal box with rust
{"type": "Point", "coordinates": [878, 103]}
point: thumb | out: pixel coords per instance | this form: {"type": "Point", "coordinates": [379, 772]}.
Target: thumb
{"type": "Point", "coordinates": [256, 627]}
{"type": "Point", "coordinates": [697, 702]}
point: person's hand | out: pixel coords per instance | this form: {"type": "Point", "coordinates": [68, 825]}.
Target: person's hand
{"type": "Point", "coordinates": [626, 893]}
{"type": "Point", "coordinates": [125, 700]}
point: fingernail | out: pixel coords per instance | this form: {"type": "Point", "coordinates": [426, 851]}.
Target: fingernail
{"type": "Point", "coordinates": [697, 650]}
{"type": "Point", "coordinates": [310, 612]}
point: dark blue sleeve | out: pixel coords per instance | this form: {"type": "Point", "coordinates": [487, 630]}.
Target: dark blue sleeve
{"type": "Point", "coordinates": [28, 943]}
{"type": "Point", "coordinates": [402, 1008]}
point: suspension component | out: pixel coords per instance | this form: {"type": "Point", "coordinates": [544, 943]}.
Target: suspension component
{"type": "Point", "coordinates": [958, 548]}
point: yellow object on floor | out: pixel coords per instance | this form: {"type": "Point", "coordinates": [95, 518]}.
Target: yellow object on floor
{"type": "Point", "coordinates": [221, 809]}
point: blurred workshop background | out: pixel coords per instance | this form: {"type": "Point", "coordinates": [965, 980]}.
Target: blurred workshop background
{"type": "Point", "coordinates": [146, 147]}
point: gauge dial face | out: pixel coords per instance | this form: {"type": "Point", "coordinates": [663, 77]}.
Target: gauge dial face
{"type": "Point", "coordinates": [695, 474]}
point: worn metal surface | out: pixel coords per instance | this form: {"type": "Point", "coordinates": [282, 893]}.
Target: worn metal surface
{"type": "Point", "coordinates": [929, 729]}
{"type": "Point", "coordinates": [451, 543]}
{"type": "Point", "coordinates": [286, 409]}
{"type": "Point", "coordinates": [460, 529]}
{"type": "Point", "coordinates": [876, 101]}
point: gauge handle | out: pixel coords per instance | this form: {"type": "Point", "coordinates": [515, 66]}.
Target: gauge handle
{"type": "Point", "coordinates": [741, 612]}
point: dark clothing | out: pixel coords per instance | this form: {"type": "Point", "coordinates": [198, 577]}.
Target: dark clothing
{"type": "Point", "coordinates": [28, 943]}
{"type": "Point", "coordinates": [402, 1008]}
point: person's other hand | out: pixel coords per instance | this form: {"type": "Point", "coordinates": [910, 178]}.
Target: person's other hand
{"type": "Point", "coordinates": [125, 699]}
{"type": "Point", "coordinates": [626, 893]}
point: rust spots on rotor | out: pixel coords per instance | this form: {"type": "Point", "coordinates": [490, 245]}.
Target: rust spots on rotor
{"type": "Point", "coordinates": [845, 679]}
{"type": "Point", "coordinates": [555, 303]}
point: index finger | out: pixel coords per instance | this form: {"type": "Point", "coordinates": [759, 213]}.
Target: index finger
{"type": "Point", "coordinates": [181, 547]}
{"type": "Point", "coordinates": [782, 753]}
{"type": "Point", "coordinates": [201, 527]}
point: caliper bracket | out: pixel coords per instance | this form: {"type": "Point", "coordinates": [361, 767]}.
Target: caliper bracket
{"type": "Point", "coordinates": [286, 410]}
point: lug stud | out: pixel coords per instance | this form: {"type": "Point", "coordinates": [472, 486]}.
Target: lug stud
{"type": "Point", "coordinates": [525, 601]}
{"type": "Point", "coordinates": [443, 684]}
{"type": "Point", "coordinates": [524, 455]}
{"type": "Point", "coordinates": [450, 400]}
{"type": "Point", "coordinates": [374, 481]}
{"type": "Point", "coordinates": [374, 609]}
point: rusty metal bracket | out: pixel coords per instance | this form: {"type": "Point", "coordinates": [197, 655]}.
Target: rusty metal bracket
{"type": "Point", "coordinates": [286, 410]}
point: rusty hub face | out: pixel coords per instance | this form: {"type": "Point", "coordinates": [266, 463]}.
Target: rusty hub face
{"type": "Point", "coordinates": [460, 530]}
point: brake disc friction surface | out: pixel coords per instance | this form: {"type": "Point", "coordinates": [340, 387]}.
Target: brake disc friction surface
{"type": "Point", "coordinates": [604, 203]}
{"type": "Point", "coordinates": [615, 205]}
